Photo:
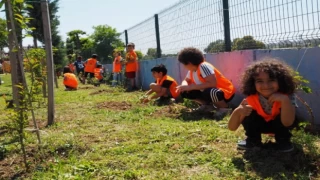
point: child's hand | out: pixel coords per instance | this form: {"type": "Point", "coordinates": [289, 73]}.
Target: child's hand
{"type": "Point", "coordinates": [244, 108]}
{"type": "Point", "coordinates": [183, 88]}
{"type": "Point", "coordinates": [277, 97]}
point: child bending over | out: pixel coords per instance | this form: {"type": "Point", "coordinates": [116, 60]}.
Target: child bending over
{"type": "Point", "coordinates": [164, 87]}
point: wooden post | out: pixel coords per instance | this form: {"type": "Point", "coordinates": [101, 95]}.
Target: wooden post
{"type": "Point", "coordinates": [13, 58]}
{"type": "Point", "coordinates": [49, 56]}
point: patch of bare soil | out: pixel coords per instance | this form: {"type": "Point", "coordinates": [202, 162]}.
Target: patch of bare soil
{"type": "Point", "coordinates": [86, 87]}
{"type": "Point", "coordinates": [101, 91]}
{"type": "Point", "coordinates": [118, 106]}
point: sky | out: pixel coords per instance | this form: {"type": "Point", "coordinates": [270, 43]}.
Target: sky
{"type": "Point", "coordinates": [192, 22]}
{"type": "Point", "coordinates": [120, 14]}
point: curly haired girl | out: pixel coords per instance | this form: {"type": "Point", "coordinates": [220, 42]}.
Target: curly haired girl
{"type": "Point", "coordinates": [269, 106]}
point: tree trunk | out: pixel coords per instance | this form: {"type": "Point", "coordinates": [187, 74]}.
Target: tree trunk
{"type": "Point", "coordinates": [35, 41]}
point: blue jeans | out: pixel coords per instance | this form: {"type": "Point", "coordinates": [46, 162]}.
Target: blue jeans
{"type": "Point", "coordinates": [116, 78]}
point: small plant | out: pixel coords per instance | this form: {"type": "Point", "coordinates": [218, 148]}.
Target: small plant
{"type": "Point", "coordinates": [189, 103]}
{"type": "Point", "coordinates": [303, 86]}
{"type": "Point", "coordinates": [19, 120]}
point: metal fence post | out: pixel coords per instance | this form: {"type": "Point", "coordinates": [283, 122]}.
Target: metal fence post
{"type": "Point", "coordinates": [226, 25]}
{"type": "Point", "coordinates": [156, 21]}
{"type": "Point", "coordinates": [126, 36]}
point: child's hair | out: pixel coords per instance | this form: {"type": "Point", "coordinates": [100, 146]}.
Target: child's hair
{"type": "Point", "coordinates": [160, 68]}
{"type": "Point", "coordinates": [118, 53]}
{"type": "Point", "coordinates": [94, 56]}
{"type": "Point", "coordinates": [131, 44]}
{"type": "Point", "coordinates": [66, 69]}
{"type": "Point", "coordinates": [79, 57]}
{"type": "Point", "coordinates": [276, 69]}
{"type": "Point", "coordinates": [190, 55]}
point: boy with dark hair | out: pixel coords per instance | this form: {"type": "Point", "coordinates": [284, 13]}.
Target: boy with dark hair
{"type": "Point", "coordinates": [89, 66]}
{"type": "Point", "coordinates": [164, 87]}
{"type": "Point", "coordinates": [131, 66]}
{"type": "Point", "coordinates": [204, 83]}
{"type": "Point", "coordinates": [79, 65]}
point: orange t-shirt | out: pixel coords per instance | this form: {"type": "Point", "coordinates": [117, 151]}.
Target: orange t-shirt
{"type": "Point", "coordinates": [117, 64]}
{"type": "Point", "coordinates": [131, 58]}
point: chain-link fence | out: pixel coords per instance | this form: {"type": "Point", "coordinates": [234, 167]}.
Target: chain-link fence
{"type": "Point", "coordinates": [225, 25]}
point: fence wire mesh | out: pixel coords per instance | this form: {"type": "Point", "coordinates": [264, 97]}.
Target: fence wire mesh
{"type": "Point", "coordinates": [276, 23]}
{"type": "Point", "coordinates": [143, 35]}
{"type": "Point", "coordinates": [259, 24]}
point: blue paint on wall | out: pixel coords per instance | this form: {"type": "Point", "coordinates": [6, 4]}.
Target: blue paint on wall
{"type": "Point", "coordinates": [232, 65]}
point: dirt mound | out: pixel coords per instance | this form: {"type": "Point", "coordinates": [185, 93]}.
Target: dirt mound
{"type": "Point", "coordinates": [101, 91]}
{"type": "Point", "coordinates": [119, 106]}
{"type": "Point", "coordinates": [86, 87]}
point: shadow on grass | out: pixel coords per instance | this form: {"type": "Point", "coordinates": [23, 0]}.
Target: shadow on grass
{"type": "Point", "coordinates": [188, 115]}
{"type": "Point", "coordinates": [268, 163]}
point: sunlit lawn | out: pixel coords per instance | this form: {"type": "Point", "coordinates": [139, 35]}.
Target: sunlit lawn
{"type": "Point", "coordinates": [105, 133]}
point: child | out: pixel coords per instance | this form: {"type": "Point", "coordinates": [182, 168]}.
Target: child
{"type": "Point", "coordinates": [269, 107]}
{"type": "Point", "coordinates": [204, 83]}
{"type": "Point", "coordinates": [69, 79]}
{"type": "Point", "coordinates": [89, 66]}
{"type": "Point", "coordinates": [116, 68]}
{"type": "Point", "coordinates": [79, 65]}
{"type": "Point", "coordinates": [98, 74]}
{"type": "Point", "coordinates": [131, 66]}
{"type": "Point", "coordinates": [164, 87]}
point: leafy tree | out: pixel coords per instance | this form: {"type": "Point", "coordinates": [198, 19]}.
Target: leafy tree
{"type": "Point", "coordinates": [247, 42]}
{"type": "Point", "coordinates": [74, 36]}
{"type": "Point", "coordinates": [151, 54]}
{"type": "Point", "coordinates": [139, 54]}
{"type": "Point", "coordinates": [34, 12]}
{"type": "Point", "coordinates": [216, 46]}
{"type": "Point", "coordinates": [3, 34]}
{"type": "Point", "coordinates": [87, 47]}
{"type": "Point", "coordinates": [69, 46]}
{"type": "Point", "coordinates": [105, 39]}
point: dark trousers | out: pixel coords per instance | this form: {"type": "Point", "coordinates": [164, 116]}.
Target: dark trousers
{"type": "Point", "coordinates": [255, 124]}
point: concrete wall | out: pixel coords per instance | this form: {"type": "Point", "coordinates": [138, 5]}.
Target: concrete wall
{"type": "Point", "coordinates": [232, 64]}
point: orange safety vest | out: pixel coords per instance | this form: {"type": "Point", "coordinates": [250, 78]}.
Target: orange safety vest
{"type": "Point", "coordinates": [90, 65]}
{"type": "Point", "coordinates": [116, 65]}
{"type": "Point", "coordinates": [253, 100]}
{"type": "Point", "coordinates": [223, 83]}
{"type": "Point", "coordinates": [97, 73]}
{"type": "Point", "coordinates": [131, 66]}
{"type": "Point", "coordinates": [70, 80]}
{"type": "Point", "coordinates": [72, 67]}
{"type": "Point", "coordinates": [172, 87]}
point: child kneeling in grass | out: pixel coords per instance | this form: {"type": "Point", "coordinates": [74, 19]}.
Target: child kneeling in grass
{"type": "Point", "coordinates": [269, 106]}
{"type": "Point", "coordinates": [163, 88]}
{"type": "Point", "coordinates": [69, 79]}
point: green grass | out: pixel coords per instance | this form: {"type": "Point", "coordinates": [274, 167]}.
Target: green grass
{"type": "Point", "coordinates": [133, 141]}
